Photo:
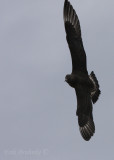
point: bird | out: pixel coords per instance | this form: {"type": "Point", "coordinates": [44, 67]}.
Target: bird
{"type": "Point", "coordinates": [86, 86]}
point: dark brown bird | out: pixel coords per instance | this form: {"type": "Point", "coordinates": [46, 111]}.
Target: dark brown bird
{"type": "Point", "coordinates": [86, 86]}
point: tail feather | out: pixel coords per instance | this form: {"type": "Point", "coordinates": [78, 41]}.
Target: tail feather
{"type": "Point", "coordinates": [86, 126]}
{"type": "Point", "coordinates": [95, 92]}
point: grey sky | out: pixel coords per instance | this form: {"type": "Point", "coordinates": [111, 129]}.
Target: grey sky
{"type": "Point", "coordinates": [37, 108]}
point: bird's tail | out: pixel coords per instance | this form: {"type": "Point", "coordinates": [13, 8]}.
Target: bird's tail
{"type": "Point", "coordinates": [95, 92]}
{"type": "Point", "coordinates": [86, 126]}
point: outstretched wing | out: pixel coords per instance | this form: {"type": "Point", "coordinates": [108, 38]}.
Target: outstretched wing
{"type": "Point", "coordinates": [84, 112]}
{"type": "Point", "coordinates": [73, 36]}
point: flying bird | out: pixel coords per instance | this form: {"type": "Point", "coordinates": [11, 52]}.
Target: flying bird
{"type": "Point", "coordinates": [86, 86]}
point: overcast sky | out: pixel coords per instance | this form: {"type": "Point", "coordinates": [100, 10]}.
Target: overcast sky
{"type": "Point", "coordinates": [37, 108]}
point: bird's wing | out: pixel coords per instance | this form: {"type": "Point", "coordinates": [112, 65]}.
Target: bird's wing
{"type": "Point", "coordinates": [84, 112]}
{"type": "Point", "coordinates": [73, 36]}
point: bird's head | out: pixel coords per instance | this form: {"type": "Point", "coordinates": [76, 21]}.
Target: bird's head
{"type": "Point", "coordinates": [71, 80]}
{"type": "Point", "coordinates": [67, 78]}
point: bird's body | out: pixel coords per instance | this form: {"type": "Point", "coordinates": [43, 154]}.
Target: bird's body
{"type": "Point", "coordinates": [86, 86]}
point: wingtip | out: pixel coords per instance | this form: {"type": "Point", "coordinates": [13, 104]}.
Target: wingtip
{"type": "Point", "coordinates": [71, 17]}
{"type": "Point", "coordinates": [86, 127]}
{"type": "Point", "coordinates": [65, 11]}
{"type": "Point", "coordinates": [87, 131]}
{"type": "Point", "coordinates": [65, 2]}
